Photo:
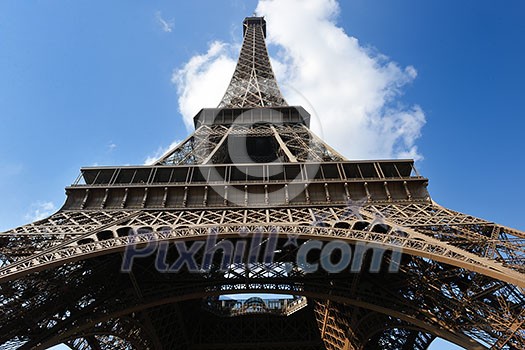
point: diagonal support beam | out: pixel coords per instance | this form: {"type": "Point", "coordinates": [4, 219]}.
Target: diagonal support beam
{"type": "Point", "coordinates": [285, 149]}
{"type": "Point", "coordinates": [219, 144]}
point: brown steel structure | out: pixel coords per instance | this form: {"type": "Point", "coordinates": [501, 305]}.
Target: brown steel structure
{"type": "Point", "coordinates": [253, 166]}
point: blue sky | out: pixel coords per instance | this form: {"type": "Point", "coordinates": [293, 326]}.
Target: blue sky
{"type": "Point", "coordinates": [92, 83]}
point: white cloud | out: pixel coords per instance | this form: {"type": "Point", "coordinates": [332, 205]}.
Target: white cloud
{"type": "Point", "coordinates": [40, 210]}
{"type": "Point", "coordinates": [161, 151]}
{"type": "Point", "coordinates": [166, 25]}
{"type": "Point", "coordinates": [202, 81]}
{"type": "Point", "coordinates": [351, 91]}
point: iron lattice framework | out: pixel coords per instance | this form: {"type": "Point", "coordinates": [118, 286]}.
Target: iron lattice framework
{"type": "Point", "coordinates": [249, 171]}
{"type": "Point", "coordinates": [253, 83]}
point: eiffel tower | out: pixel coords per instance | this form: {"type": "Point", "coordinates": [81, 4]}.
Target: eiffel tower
{"type": "Point", "coordinates": [127, 262]}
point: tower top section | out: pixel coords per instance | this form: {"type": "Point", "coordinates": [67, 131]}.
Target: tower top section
{"type": "Point", "coordinates": [253, 83]}
{"type": "Point", "coordinates": [254, 21]}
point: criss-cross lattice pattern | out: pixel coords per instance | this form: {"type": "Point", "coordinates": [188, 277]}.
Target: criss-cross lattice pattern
{"type": "Point", "coordinates": [253, 83]}
{"type": "Point", "coordinates": [429, 229]}
{"type": "Point", "coordinates": [216, 145]}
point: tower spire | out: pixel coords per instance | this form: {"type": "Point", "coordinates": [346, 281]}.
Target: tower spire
{"type": "Point", "coordinates": [253, 83]}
